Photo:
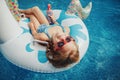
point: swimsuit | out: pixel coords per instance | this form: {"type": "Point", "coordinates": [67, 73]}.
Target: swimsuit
{"type": "Point", "coordinates": [44, 28]}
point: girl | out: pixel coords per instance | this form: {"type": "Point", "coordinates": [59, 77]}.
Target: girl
{"type": "Point", "coordinates": [62, 49]}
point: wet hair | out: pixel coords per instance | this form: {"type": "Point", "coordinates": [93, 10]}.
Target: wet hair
{"type": "Point", "coordinates": [61, 60]}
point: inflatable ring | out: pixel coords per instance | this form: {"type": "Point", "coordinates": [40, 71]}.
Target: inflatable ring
{"type": "Point", "coordinates": [17, 46]}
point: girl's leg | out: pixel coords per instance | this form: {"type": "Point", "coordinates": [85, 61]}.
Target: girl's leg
{"type": "Point", "coordinates": [32, 28]}
{"type": "Point", "coordinates": [40, 16]}
{"type": "Point", "coordinates": [27, 11]}
{"type": "Point", "coordinates": [34, 21]}
{"type": "Point", "coordinates": [35, 34]}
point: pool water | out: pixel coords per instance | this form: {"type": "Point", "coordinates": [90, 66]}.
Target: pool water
{"type": "Point", "coordinates": [102, 59]}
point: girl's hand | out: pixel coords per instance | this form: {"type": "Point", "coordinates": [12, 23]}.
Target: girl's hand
{"type": "Point", "coordinates": [53, 18]}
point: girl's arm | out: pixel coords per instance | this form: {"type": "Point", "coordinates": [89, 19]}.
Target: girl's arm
{"type": "Point", "coordinates": [41, 36]}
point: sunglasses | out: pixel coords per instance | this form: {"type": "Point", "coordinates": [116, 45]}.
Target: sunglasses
{"type": "Point", "coordinates": [61, 43]}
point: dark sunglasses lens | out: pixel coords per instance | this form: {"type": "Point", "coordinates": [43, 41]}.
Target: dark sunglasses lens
{"type": "Point", "coordinates": [60, 44]}
{"type": "Point", "coordinates": [68, 39]}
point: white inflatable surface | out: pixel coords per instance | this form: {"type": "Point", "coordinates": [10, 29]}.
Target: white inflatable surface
{"type": "Point", "coordinates": [18, 46]}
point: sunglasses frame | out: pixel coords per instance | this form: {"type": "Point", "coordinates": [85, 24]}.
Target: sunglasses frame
{"type": "Point", "coordinates": [64, 42]}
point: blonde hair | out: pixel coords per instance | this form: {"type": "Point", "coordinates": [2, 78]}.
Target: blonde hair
{"type": "Point", "coordinates": [61, 60]}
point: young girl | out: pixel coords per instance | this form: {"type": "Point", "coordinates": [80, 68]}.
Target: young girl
{"type": "Point", "coordinates": [62, 49]}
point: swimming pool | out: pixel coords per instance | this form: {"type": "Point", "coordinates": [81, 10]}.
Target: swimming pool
{"type": "Point", "coordinates": [102, 60]}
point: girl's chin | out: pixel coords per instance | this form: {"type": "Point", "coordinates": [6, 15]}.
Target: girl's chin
{"type": "Point", "coordinates": [55, 35]}
{"type": "Point", "coordinates": [59, 36]}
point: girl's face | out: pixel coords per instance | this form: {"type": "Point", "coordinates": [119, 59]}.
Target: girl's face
{"type": "Point", "coordinates": [63, 42]}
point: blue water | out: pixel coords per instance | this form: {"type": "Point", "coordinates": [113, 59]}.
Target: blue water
{"type": "Point", "coordinates": [102, 60]}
